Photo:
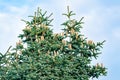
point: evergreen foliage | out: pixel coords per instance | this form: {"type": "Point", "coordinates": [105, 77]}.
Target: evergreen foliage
{"type": "Point", "coordinates": [41, 54]}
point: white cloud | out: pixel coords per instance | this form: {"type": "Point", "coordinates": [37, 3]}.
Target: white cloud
{"type": "Point", "coordinates": [10, 26]}
{"type": "Point", "coordinates": [18, 10]}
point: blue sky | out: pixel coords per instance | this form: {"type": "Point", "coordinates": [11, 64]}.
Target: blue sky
{"type": "Point", "coordinates": [101, 23]}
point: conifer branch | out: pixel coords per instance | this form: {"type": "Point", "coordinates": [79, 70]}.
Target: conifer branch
{"type": "Point", "coordinates": [8, 50]}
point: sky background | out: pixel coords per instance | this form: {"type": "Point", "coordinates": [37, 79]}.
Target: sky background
{"type": "Point", "coordinates": [101, 17]}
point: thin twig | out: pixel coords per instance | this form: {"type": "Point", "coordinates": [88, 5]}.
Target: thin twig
{"type": "Point", "coordinates": [8, 50]}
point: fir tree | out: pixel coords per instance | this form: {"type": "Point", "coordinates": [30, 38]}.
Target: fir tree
{"type": "Point", "coordinates": [41, 54]}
